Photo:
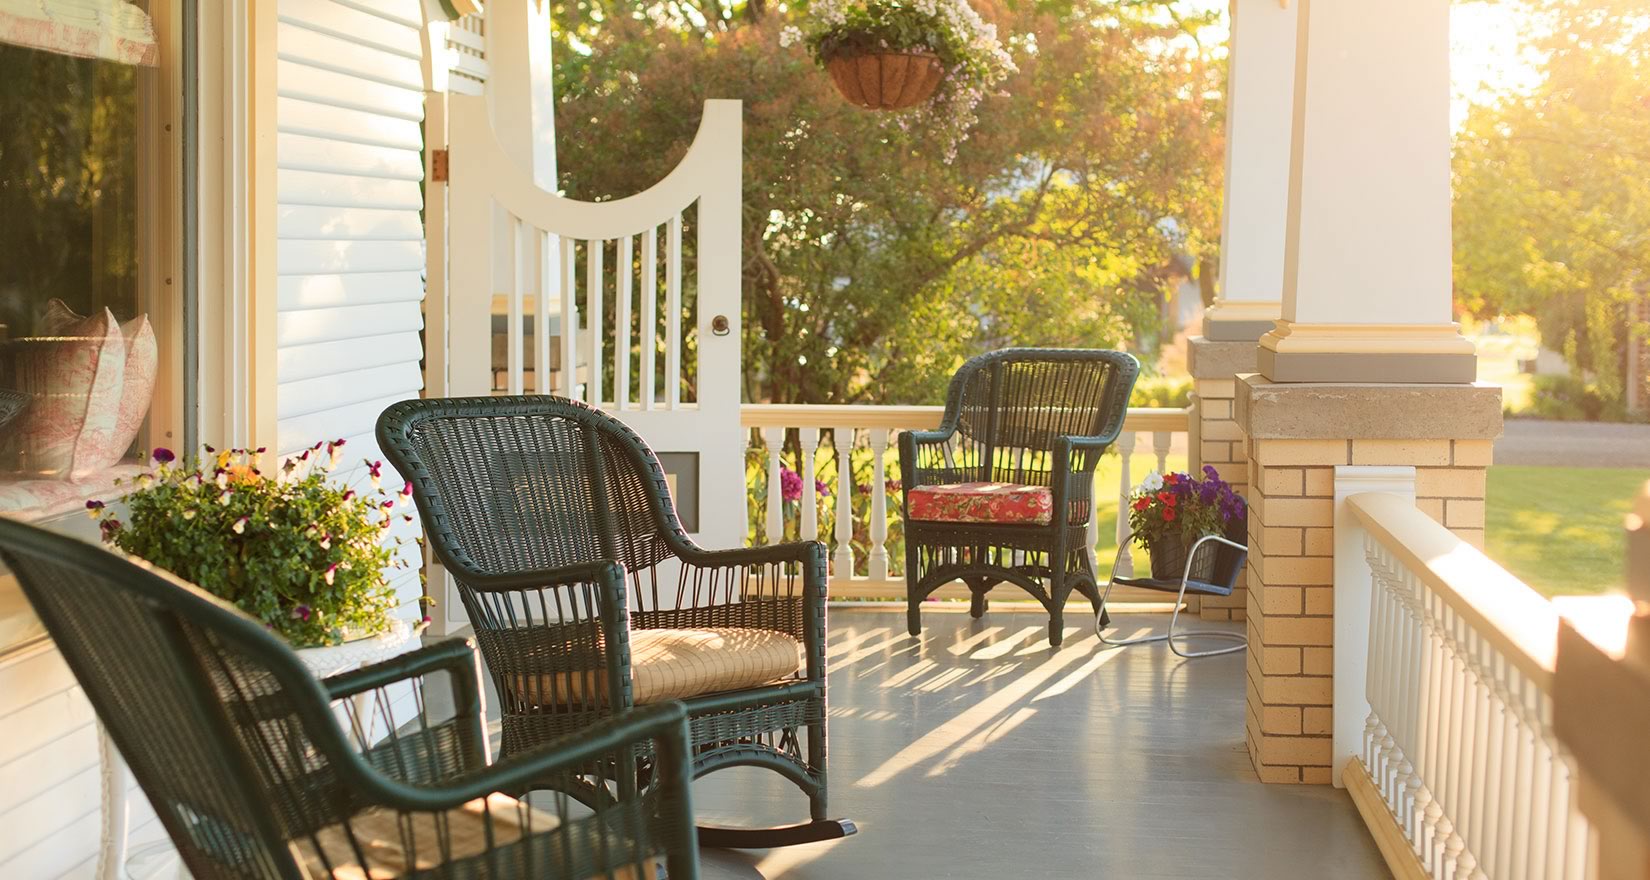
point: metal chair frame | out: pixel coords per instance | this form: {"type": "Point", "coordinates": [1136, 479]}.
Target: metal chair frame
{"type": "Point", "coordinates": [1174, 632]}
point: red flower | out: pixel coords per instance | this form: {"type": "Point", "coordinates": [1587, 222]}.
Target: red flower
{"type": "Point", "coordinates": [1171, 479]}
{"type": "Point", "coordinates": [1142, 503]}
{"type": "Point", "coordinates": [1168, 514]}
{"type": "Point", "coordinates": [1167, 499]}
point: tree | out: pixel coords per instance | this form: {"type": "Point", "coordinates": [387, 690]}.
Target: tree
{"type": "Point", "coordinates": [874, 267]}
{"type": "Point", "coordinates": [1552, 190]}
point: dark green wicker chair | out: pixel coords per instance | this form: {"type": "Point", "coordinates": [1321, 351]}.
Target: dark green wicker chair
{"type": "Point", "coordinates": [527, 501]}
{"type": "Point", "coordinates": [245, 759]}
{"type": "Point", "coordinates": [1003, 491]}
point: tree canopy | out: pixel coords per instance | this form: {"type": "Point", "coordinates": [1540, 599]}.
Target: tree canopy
{"type": "Point", "coordinates": [874, 266]}
{"type": "Point", "coordinates": [1552, 189]}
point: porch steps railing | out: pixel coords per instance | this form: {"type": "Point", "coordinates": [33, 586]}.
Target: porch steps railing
{"type": "Point", "coordinates": [793, 436]}
{"type": "Point", "coordinates": [1457, 768]}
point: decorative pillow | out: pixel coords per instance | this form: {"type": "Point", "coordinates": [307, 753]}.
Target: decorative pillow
{"type": "Point", "coordinates": [76, 374]}
{"type": "Point", "coordinates": [142, 361]}
{"type": "Point", "coordinates": [998, 503]}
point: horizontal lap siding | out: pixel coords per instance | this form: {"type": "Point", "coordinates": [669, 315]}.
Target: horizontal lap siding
{"type": "Point", "coordinates": [350, 258]}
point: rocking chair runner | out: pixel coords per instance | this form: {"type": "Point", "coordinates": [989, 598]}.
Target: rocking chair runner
{"type": "Point", "coordinates": [238, 748]}
{"type": "Point", "coordinates": [1003, 491]}
{"type": "Point", "coordinates": [529, 502]}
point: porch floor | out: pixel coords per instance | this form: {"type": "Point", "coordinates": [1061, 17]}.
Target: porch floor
{"type": "Point", "coordinates": [974, 751]}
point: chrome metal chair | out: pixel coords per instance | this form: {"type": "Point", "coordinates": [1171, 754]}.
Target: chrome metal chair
{"type": "Point", "coordinates": [1228, 566]}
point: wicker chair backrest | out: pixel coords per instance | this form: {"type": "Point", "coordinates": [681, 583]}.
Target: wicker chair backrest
{"type": "Point", "coordinates": [1013, 405]}
{"type": "Point", "coordinates": [206, 706]}
{"type": "Point", "coordinates": [513, 484]}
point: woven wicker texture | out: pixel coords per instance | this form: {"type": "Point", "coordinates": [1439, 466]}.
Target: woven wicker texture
{"type": "Point", "coordinates": [245, 760]}
{"type": "Point", "coordinates": [1026, 416]}
{"type": "Point", "coordinates": [674, 664]}
{"type": "Point", "coordinates": [555, 521]}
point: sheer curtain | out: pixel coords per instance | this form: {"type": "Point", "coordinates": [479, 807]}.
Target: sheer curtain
{"type": "Point", "coordinates": [111, 30]}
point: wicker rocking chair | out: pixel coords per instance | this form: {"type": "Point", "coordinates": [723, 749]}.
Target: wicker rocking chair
{"type": "Point", "coordinates": [529, 502]}
{"type": "Point", "coordinates": [253, 776]}
{"type": "Point", "coordinates": [1003, 491]}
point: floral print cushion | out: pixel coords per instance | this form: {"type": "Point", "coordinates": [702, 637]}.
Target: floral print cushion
{"type": "Point", "coordinates": [998, 503]}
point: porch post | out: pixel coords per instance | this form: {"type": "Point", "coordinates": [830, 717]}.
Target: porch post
{"type": "Point", "coordinates": [1260, 103]}
{"type": "Point", "coordinates": [1365, 366]}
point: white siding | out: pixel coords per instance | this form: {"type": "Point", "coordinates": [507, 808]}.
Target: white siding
{"type": "Point", "coordinates": [350, 256]}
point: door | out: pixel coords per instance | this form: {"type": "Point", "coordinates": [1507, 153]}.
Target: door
{"type": "Point", "coordinates": [630, 305]}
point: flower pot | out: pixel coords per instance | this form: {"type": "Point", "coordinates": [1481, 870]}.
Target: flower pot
{"type": "Point", "coordinates": [1168, 554]}
{"type": "Point", "coordinates": [887, 80]}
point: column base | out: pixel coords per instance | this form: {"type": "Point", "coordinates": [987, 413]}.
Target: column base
{"type": "Point", "coordinates": [1369, 353]}
{"type": "Point", "coordinates": [1240, 320]}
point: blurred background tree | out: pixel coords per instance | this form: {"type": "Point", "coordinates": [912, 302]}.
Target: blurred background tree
{"type": "Point", "coordinates": [1552, 196]}
{"type": "Point", "coordinates": [874, 267]}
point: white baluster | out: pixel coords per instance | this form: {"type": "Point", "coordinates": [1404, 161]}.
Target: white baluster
{"type": "Point", "coordinates": [673, 313]}
{"type": "Point", "coordinates": [842, 439]}
{"type": "Point", "coordinates": [1558, 796]}
{"type": "Point", "coordinates": [621, 344]}
{"type": "Point", "coordinates": [1478, 820]}
{"type": "Point", "coordinates": [1507, 838]}
{"type": "Point", "coordinates": [878, 563]}
{"type": "Point", "coordinates": [774, 438]}
{"type": "Point", "coordinates": [809, 438]}
{"type": "Point", "coordinates": [593, 284]}
{"type": "Point", "coordinates": [512, 331]}
{"type": "Point", "coordinates": [569, 321]}
{"type": "Point", "coordinates": [1162, 442]}
{"type": "Point", "coordinates": [1125, 448]}
{"type": "Point", "coordinates": [1577, 850]}
{"type": "Point", "coordinates": [648, 335]}
{"type": "Point", "coordinates": [1541, 777]}
{"type": "Point", "coordinates": [1523, 785]}
{"type": "Point", "coordinates": [543, 365]}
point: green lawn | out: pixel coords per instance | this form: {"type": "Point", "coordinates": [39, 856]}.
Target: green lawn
{"type": "Point", "coordinates": [1559, 529]}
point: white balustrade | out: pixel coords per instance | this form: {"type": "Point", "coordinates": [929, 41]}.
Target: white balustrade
{"type": "Point", "coordinates": [870, 431]}
{"type": "Point", "coordinates": [1457, 741]}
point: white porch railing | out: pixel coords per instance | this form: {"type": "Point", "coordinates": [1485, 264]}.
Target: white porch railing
{"type": "Point", "coordinates": [831, 506]}
{"type": "Point", "coordinates": [1456, 759]}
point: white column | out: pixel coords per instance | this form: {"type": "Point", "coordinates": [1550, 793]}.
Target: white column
{"type": "Point", "coordinates": [1367, 288]}
{"type": "Point", "coordinates": [1260, 91]}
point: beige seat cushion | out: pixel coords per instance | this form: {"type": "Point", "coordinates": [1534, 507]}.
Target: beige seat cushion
{"type": "Point", "coordinates": [674, 664]}
{"type": "Point", "coordinates": [380, 834]}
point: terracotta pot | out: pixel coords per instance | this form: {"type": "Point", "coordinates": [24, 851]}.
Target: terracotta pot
{"type": "Point", "coordinates": [887, 80]}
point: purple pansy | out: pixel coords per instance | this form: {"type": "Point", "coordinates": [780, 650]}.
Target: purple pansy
{"type": "Point", "coordinates": [162, 455]}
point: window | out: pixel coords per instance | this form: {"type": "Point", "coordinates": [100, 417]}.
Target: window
{"type": "Point", "coordinates": [86, 347]}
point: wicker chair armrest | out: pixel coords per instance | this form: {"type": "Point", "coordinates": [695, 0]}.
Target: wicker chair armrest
{"type": "Point", "coordinates": [664, 724]}
{"type": "Point", "coordinates": [803, 552]}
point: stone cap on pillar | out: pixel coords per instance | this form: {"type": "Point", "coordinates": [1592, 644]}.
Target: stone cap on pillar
{"type": "Point", "coordinates": [1208, 358]}
{"type": "Point", "coordinates": [1270, 410]}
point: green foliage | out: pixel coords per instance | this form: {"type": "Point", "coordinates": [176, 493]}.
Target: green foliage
{"type": "Point", "coordinates": [874, 268]}
{"type": "Point", "coordinates": [1552, 192]}
{"type": "Point", "coordinates": [1168, 392]}
{"type": "Point", "coordinates": [297, 551]}
{"type": "Point", "coordinates": [1573, 399]}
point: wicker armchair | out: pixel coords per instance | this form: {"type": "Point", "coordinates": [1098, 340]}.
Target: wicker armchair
{"type": "Point", "coordinates": [252, 774]}
{"type": "Point", "coordinates": [1003, 491]}
{"type": "Point", "coordinates": [529, 502]}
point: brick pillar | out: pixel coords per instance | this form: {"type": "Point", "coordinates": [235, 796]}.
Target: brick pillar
{"type": "Point", "coordinates": [1298, 434]}
{"type": "Point", "coordinates": [1215, 366]}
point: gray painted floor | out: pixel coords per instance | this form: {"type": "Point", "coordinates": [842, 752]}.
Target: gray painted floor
{"type": "Point", "coordinates": [976, 752]}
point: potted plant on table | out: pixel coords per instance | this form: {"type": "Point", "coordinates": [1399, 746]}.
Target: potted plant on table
{"type": "Point", "coordinates": [1168, 513]}
{"type": "Point", "coordinates": [898, 54]}
{"type": "Point", "coordinates": [294, 549]}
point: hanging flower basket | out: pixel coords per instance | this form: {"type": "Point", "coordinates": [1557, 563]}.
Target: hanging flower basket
{"type": "Point", "coordinates": [887, 80]}
{"type": "Point", "coordinates": [937, 58]}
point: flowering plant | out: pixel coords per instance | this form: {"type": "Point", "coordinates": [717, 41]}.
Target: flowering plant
{"type": "Point", "coordinates": [966, 45]}
{"type": "Point", "coordinates": [1182, 505]}
{"type": "Point", "coordinates": [298, 551]}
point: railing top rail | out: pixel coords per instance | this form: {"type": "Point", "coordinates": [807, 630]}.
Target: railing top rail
{"type": "Point", "coordinates": [1517, 620]}
{"type": "Point", "coordinates": [804, 415]}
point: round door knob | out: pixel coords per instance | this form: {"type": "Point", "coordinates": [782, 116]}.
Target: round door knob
{"type": "Point", "coordinates": [719, 325]}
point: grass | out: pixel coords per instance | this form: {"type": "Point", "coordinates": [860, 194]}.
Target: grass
{"type": "Point", "coordinates": [1559, 529]}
